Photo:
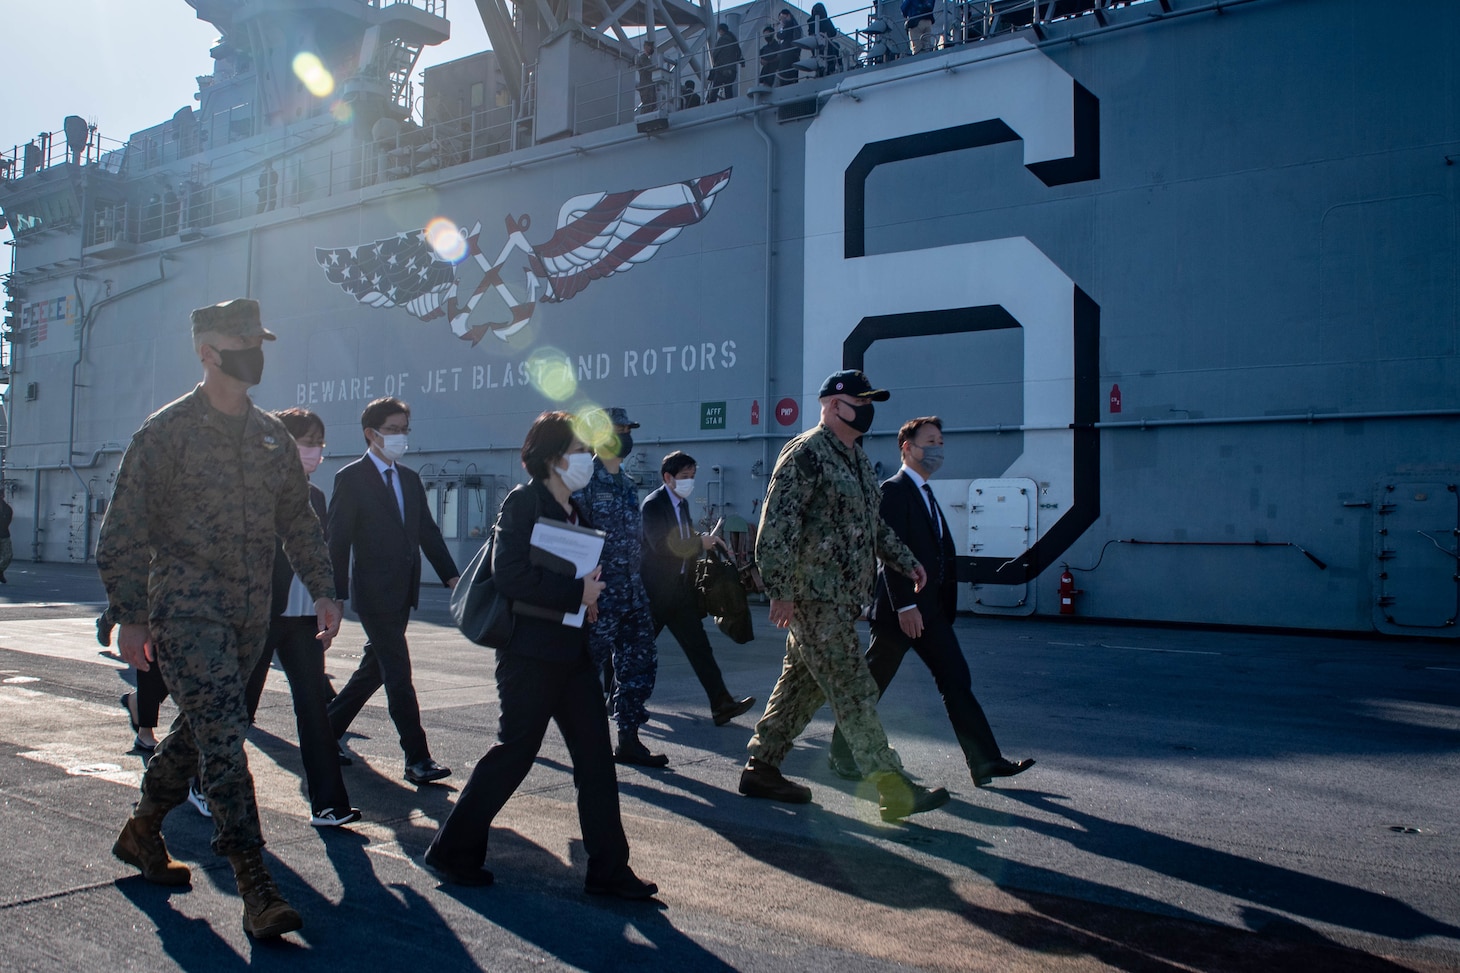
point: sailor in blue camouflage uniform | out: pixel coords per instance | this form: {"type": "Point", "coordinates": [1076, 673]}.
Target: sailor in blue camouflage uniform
{"type": "Point", "coordinates": [186, 556]}
{"type": "Point", "coordinates": [821, 534]}
{"type": "Point", "coordinates": [622, 640]}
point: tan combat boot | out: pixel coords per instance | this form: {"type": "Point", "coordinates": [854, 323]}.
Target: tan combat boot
{"type": "Point", "coordinates": [140, 844]}
{"type": "Point", "coordinates": [265, 913]}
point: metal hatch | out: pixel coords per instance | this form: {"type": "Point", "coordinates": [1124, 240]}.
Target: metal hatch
{"type": "Point", "coordinates": [1416, 572]}
{"type": "Point", "coordinates": [1001, 523]}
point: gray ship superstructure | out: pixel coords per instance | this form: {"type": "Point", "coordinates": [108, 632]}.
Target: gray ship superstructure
{"type": "Point", "coordinates": [1179, 277]}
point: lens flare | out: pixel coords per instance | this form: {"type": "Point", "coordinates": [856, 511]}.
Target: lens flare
{"type": "Point", "coordinates": [593, 426]}
{"type": "Point", "coordinates": [310, 70]}
{"type": "Point", "coordinates": [446, 239]}
{"type": "Point", "coordinates": [342, 112]}
{"type": "Point", "coordinates": [551, 373]}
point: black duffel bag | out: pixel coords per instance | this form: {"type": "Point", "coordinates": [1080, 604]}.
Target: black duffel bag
{"type": "Point", "coordinates": [722, 596]}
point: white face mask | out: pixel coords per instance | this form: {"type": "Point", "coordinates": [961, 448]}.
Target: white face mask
{"type": "Point", "coordinates": [579, 471]}
{"type": "Point", "coordinates": [393, 447]}
{"type": "Point", "coordinates": [310, 457]}
{"type": "Point", "coordinates": [684, 487]}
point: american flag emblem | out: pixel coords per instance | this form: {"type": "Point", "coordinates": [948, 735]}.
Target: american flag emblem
{"type": "Point", "coordinates": [598, 235]}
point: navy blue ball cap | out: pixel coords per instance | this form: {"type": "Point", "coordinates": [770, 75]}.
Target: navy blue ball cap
{"type": "Point", "coordinates": [620, 417]}
{"type": "Point", "coordinates": [852, 382]}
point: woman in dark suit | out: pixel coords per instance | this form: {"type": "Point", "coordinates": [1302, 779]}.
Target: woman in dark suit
{"type": "Point", "coordinates": [544, 674]}
{"type": "Point", "coordinates": [294, 639]}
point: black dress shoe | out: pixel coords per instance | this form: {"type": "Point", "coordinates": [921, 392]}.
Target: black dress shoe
{"type": "Point", "coordinates": [843, 767]}
{"type": "Point", "coordinates": [426, 771]}
{"type": "Point", "coordinates": [760, 779]}
{"type": "Point", "coordinates": [624, 884]}
{"type": "Point", "coordinates": [126, 701]}
{"type": "Point", "coordinates": [901, 797]}
{"type": "Point", "coordinates": [1002, 767]}
{"type": "Point", "coordinates": [453, 874]}
{"type": "Point", "coordinates": [729, 708]}
{"type": "Point", "coordinates": [631, 750]}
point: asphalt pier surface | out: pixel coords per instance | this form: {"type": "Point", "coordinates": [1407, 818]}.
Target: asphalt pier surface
{"type": "Point", "coordinates": [1203, 800]}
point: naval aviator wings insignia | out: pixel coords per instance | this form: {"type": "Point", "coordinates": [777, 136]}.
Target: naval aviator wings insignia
{"type": "Point", "coordinates": [598, 235]}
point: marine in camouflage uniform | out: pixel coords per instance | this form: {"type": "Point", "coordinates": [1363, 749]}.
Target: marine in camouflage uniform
{"type": "Point", "coordinates": [820, 536]}
{"type": "Point", "coordinates": [622, 639]}
{"type": "Point", "coordinates": [187, 551]}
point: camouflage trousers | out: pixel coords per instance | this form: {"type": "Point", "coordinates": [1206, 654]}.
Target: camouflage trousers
{"type": "Point", "coordinates": [7, 551]}
{"type": "Point", "coordinates": [824, 663]}
{"type": "Point", "coordinates": [206, 666]}
{"type": "Point", "coordinates": [623, 638]}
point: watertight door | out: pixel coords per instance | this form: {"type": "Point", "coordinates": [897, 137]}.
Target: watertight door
{"type": "Point", "coordinates": [1001, 522]}
{"type": "Point", "coordinates": [1415, 558]}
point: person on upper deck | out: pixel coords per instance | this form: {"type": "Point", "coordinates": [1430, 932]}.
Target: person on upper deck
{"type": "Point", "coordinates": [725, 58]}
{"type": "Point", "coordinates": [788, 32]}
{"type": "Point", "coordinates": [648, 64]}
{"type": "Point", "coordinates": [820, 28]}
{"type": "Point", "coordinates": [770, 57]}
{"type": "Point", "coordinates": [919, 24]}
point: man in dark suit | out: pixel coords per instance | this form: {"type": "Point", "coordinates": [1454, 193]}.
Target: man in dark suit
{"type": "Point", "coordinates": [378, 514]}
{"type": "Point", "coordinates": [905, 619]}
{"type": "Point", "coordinates": [671, 547]}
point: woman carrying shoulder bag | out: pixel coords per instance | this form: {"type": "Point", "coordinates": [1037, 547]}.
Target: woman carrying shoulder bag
{"type": "Point", "coordinates": [544, 674]}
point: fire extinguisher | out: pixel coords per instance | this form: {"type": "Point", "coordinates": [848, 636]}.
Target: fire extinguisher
{"type": "Point", "coordinates": [1068, 591]}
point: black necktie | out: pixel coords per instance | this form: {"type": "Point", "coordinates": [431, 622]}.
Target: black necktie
{"type": "Point", "coordinates": [682, 515]}
{"type": "Point", "coordinates": [933, 509]}
{"type": "Point", "coordinates": [390, 485]}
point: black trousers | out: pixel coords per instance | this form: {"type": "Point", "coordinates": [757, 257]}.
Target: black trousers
{"type": "Point", "coordinates": [531, 692]}
{"type": "Point", "coordinates": [939, 649]}
{"type": "Point", "coordinates": [151, 691]}
{"type": "Point", "coordinates": [292, 639]}
{"type": "Point", "coordinates": [386, 662]}
{"type": "Point", "coordinates": [682, 618]}
{"type": "Point", "coordinates": [722, 83]}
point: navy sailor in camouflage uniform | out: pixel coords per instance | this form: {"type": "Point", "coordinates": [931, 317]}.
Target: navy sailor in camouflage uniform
{"type": "Point", "coordinates": [186, 554]}
{"type": "Point", "coordinates": [821, 533]}
{"type": "Point", "coordinates": [622, 640]}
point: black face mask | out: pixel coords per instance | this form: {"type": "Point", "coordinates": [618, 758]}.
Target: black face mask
{"type": "Point", "coordinates": [246, 365]}
{"type": "Point", "coordinates": [861, 419]}
{"type": "Point", "coordinates": [625, 444]}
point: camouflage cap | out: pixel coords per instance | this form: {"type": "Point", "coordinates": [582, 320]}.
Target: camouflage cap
{"type": "Point", "coordinates": [620, 417]}
{"type": "Point", "coordinates": [238, 318]}
{"type": "Point", "coordinates": [854, 383]}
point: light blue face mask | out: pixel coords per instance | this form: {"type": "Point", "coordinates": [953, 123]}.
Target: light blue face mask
{"type": "Point", "coordinates": [932, 458]}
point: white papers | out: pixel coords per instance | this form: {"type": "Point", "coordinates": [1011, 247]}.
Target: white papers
{"type": "Point", "coordinates": [581, 547]}
{"type": "Point", "coordinates": [571, 549]}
